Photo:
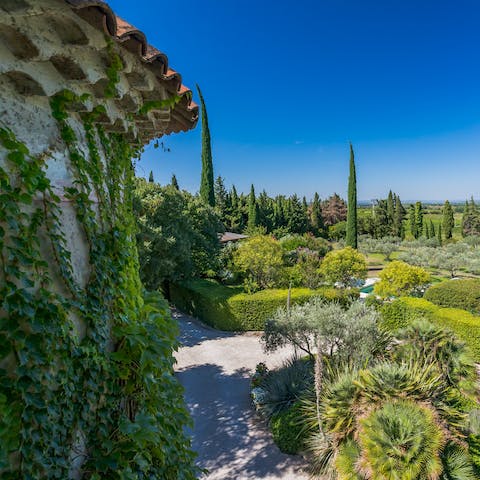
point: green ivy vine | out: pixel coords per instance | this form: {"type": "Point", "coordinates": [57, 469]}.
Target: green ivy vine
{"type": "Point", "coordinates": [86, 371]}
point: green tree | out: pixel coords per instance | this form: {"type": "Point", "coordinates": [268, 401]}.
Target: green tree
{"type": "Point", "coordinates": [174, 182]}
{"type": "Point", "coordinates": [399, 216]}
{"type": "Point", "coordinates": [222, 200]}
{"type": "Point", "coordinates": [352, 233]}
{"type": "Point", "coordinates": [390, 208]}
{"type": "Point", "coordinates": [316, 218]}
{"type": "Point", "coordinates": [260, 260]}
{"type": "Point", "coordinates": [177, 234]}
{"type": "Point", "coordinates": [345, 266]}
{"type": "Point", "coordinates": [150, 177]}
{"type": "Point", "coordinates": [411, 221]}
{"type": "Point", "coordinates": [296, 216]}
{"type": "Point", "coordinates": [439, 234]}
{"type": "Point", "coordinates": [252, 210]}
{"type": "Point", "coordinates": [400, 278]}
{"type": "Point", "coordinates": [433, 233]}
{"type": "Point", "coordinates": [448, 221]}
{"type": "Point", "coordinates": [418, 219]}
{"type": "Point", "coordinates": [207, 192]}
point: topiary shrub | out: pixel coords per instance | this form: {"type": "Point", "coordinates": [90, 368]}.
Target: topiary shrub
{"type": "Point", "coordinates": [464, 294]}
{"type": "Point", "coordinates": [228, 308]}
{"type": "Point", "coordinates": [287, 430]}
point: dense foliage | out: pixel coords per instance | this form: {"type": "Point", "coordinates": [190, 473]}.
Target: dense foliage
{"type": "Point", "coordinates": [177, 234]}
{"type": "Point", "coordinates": [86, 377]}
{"type": "Point", "coordinates": [461, 293]}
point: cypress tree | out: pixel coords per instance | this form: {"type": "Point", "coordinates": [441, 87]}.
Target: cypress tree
{"type": "Point", "coordinates": [207, 192]}
{"type": "Point", "coordinates": [174, 182]}
{"type": "Point", "coordinates": [352, 234]}
{"type": "Point", "coordinates": [418, 219]}
{"type": "Point", "coordinates": [411, 221]}
{"type": "Point", "coordinates": [252, 210]}
{"type": "Point", "coordinates": [440, 241]}
{"type": "Point", "coordinates": [398, 230]}
{"type": "Point", "coordinates": [390, 209]}
{"type": "Point", "coordinates": [433, 234]}
{"type": "Point", "coordinates": [448, 220]}
{"type": "Point", "coordinates": [150, 177]}
{"type": "Point", "coordinates": [427, 231]}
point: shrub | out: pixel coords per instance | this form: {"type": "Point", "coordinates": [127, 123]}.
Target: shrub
{"type": "Point", "coordinates": [399, 278]}
{"type": "Point", "coordinates": [287, 430]}
{"type": "Point", "coordinates": [464, 294]}
{"type": "Point", "coordinates": [285, 386]}
{"type": "Point", "coordinates": [465, 325]}
{"type": "Point", "coordinates": [344, 266]}
{"type": "Point", "coordinates": [228, 308]}
{"type": "Point", "coordinates": [260, 259]}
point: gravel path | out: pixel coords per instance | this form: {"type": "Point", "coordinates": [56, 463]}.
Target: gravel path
{"type": "Point", "coordinates": [231, 441]}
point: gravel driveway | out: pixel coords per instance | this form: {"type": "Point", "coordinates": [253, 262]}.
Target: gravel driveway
{"type": "Point", "coordinates": [231, 441]}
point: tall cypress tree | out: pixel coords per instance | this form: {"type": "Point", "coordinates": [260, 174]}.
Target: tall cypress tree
{"type": "Point", "coordinates": [352, 233]}
{"type": "Point", "coordinates": [391, 210]}
{"type": "Point", "coordinates": [411, 221]}
{"type": "Point", "coordinates": [419, 219]}
{"type": "Point", "coordinates": [433, 233]}
{"type": "Point", "coordinates": [174, 182]}
{"type": "Point", "coordinates": [439, 234]}
{"type": "Point", "coordinates": [150, 177]}
{"type": "Point", "coordinates": [207, 191]}
{"type": "Point", "coordinates": [252, 210]}
{"type": "Point", "coordinates": [448, 220]}
{"type": "Point", "coordinates": [399, 215]}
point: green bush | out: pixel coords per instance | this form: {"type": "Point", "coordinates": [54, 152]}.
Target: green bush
{"type": "Point", "coordinates": [228, 308]}
{"type": "Point", "coordinates": [464, 294]}
{"type": "Point", "coordinates": [287, 430]}
{"type": "Point", "coordinates": [464, 324]}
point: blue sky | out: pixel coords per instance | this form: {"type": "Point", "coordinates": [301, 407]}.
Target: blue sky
{"type": "Point", "coordinates": [289, 83]}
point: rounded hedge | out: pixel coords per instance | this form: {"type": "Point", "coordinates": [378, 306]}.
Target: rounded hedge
{"type": "Point", "coordinates": [464, 294]}
{"type": "Point", "coordinates": [228, 308]}
{"type": "Point", "coordinates": [287, 430]}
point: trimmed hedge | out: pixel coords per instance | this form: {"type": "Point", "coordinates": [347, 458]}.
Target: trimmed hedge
{"type": "Point", "coordinates": [464, 294]}
{"type": "Point", "coordinates": [465, 325]}
{"type": "Point", "coordinates": [228, 308]}
{"type": "Point", "coordinates": [287, 430]}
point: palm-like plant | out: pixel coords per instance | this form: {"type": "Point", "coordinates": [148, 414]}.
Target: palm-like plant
{"type": "Point", "coordinates": [401, 441]}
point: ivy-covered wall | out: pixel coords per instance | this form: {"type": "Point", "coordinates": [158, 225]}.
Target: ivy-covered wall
{"type": "Point", "coordinates": [86, 367]}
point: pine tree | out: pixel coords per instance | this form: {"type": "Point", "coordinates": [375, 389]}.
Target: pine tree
{"type": "Point", "coordinates": [150, 177]}
{"type": "Point", "coordinates": [252, 210]}
{"type": "Point", "coordinates": [174, 182]}
{"type": "Point", "coordinates": [352, 233]}
{"type": "Point", "coordinates": [207, 192]}
{"type": "Point", "coordinates": [448, 220]}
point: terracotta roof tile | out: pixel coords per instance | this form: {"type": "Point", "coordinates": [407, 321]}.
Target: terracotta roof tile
{"type": "Point", "coordinates": [123, 32]}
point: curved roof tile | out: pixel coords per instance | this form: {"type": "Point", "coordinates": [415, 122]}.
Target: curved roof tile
{"type": "Point", "coordinates": [126, 34]}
